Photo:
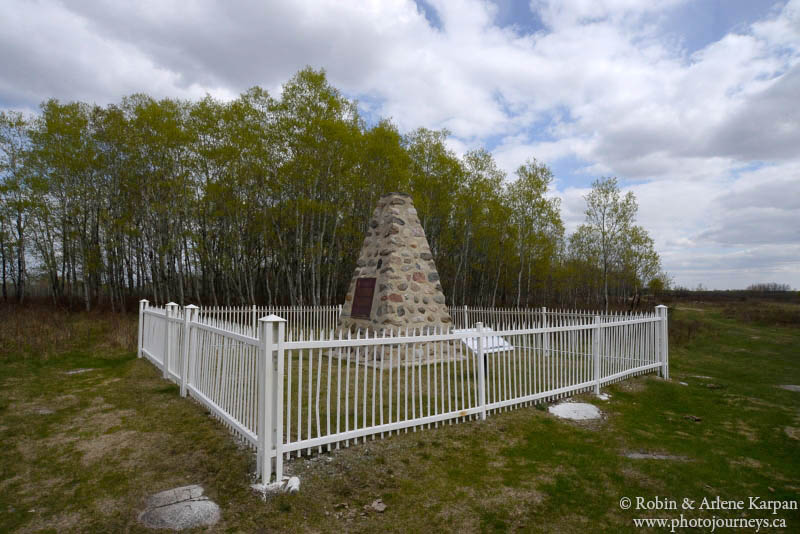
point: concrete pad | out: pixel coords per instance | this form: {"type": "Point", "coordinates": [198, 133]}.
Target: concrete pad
{"type": "Point", "coordinates": [171, 496]}
{"type": "Point", "coordinates": [78, 371]}
{"type": "Point", "coordinates": [576, 411]}
{"type": "Point", "coordinates": [180, 508]}
{"type": "Point", "coordinates": [654, 456]}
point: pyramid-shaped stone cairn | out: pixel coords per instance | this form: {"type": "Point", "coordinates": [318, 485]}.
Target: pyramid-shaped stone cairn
{"type": "Point", "coordinates": [395, 283]}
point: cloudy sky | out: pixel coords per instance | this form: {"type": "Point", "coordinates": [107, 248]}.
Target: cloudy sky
{"type": "Point", "coordinates": [695, 106]}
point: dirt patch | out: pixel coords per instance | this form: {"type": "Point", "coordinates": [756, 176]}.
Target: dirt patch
{"type": "Point", "coordinates": [129, 448]}
{"type": "Point", "coordinates": [66, 522]}
{"type": "Point", "coordinates": [747, 462]}
{"type": "Point", "coordinates": [517, 503]}
{"type": "Point", "coordinates": [636, 476]}
{"type": "Point", "coordinates": [106, 506]}
{"type": "Point", "coordinates": [631, 385]}
{"type": "Point", "coordinates": [65, 401]}
{"type": "Point", "coordinates": [32, 408]}
{"type": "Point", "coordinates": [109, 381]}
{"type": "Point", "coordinates": [99, 417]}
{"type": "Point", "coordinates": [752, 403]}
{"type": "Point", "coordinates": [95, 449]}
{"type": "Point", "coordinates": [792, 432]}
{"type": "Point", "coordinates": [743, 429]}
{"type": "Point", "coordinates": [5, 484]}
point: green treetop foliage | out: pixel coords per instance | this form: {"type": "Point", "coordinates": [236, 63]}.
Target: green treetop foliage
{"type": "Point", "coordinates": [609, 243]}
{"type": "Point", "coordinates": [266, 199]}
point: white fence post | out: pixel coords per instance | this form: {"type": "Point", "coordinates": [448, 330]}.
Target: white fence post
{"type": "Point", "coordinates": [277, 418]}
{"type": "Point", "coordinates": [466, 321]}
{"type": "Point", "coordinates": [481, 372]}
{"type": "Point", "coordinates": [255, 321]}
{"type": "Point", "coordinates": [169, 310]}
{"type": "Point", "coordinates": [270, 396]}
{"type": "Point", "coordinates": [142, 306]}
{"type": "Point", "coordinates": [188, 316]}
{"type": "Point", "coordinates": [546, 335]}
{"type": "Point", "coordinates": [663, 338]}
{"type": "Point", "coordinates": [596, 353]}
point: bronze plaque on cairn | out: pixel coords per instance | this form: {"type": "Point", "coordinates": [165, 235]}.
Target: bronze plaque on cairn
{"type": "Point", "coordinates": [362, 299]}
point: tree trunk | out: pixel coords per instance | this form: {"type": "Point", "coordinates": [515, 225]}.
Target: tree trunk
{"type": "Point", "coordinates": [20, 259]}
{"type": "Point", "coordinates": [3, 255]}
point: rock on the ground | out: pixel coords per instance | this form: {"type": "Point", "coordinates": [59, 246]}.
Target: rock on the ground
{"type": "Point", "coordinates": [180, 508]}
{"type": "Point", "coordinates": [292, 485]}
{"type": "Point", "coordinates": [378, 505]}
{"type": "Point", "coordinates": [576, 411]}
{"type": "Point", "coordinates": [790, 387]}
{"type": "Point", "coordinates": [603, 396]}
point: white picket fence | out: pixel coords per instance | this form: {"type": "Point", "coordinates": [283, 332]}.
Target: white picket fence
{"type": "Point", "coordinates": [302, 319]}
{"type": "Point", "coordinates": [464, 316]}
{"type": "Point", "coordinates": [329, 389]}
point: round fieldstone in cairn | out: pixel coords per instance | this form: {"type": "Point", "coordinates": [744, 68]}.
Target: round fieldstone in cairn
{"type": "Point", "coordinates": [395, 284]}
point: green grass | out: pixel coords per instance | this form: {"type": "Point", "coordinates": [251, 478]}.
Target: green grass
{"type": "Point", "coordinates": [120, 432]}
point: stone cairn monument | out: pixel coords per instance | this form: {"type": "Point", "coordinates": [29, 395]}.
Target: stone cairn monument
{"type": "Point", "coordinates": [395, 283]}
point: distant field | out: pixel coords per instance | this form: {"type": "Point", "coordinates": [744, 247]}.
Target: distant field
{"type": "Point", "coordinates": [81, 451]}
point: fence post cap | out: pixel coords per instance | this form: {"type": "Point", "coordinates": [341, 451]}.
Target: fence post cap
{"type": "Point", "coordinates": [272, 318]}
{"type": "Point", "coordinates": [191, 307]}
{"type": "Point", "coordinates": [660, 306]}
{"type": "Point", "coordinates": [171, 304]}
{"type": "Point", "coordinates": [143, 300]}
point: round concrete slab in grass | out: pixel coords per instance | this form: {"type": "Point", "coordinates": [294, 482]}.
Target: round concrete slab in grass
{"type": "Point", "coordinates": [576, 411]}
{"type": "Point", "coordinates": [180, 508]}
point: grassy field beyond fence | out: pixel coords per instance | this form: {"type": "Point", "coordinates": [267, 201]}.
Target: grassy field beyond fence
{"type": "Point", "coordinates": [88, 431]}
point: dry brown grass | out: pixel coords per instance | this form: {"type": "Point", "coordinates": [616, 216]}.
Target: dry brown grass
{"type": "Point", "coordinates": [42, 331]}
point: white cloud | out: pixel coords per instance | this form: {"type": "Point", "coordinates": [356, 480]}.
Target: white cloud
{"type": "Point", "coordinates": [601, 83]}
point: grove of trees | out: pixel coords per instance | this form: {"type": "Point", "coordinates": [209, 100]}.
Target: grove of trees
{"type": "Point", "coordinates": [266, 199]}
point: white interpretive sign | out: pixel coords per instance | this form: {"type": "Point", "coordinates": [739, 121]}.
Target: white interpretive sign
{"type": "Point", "coordinates": [490, 343]}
